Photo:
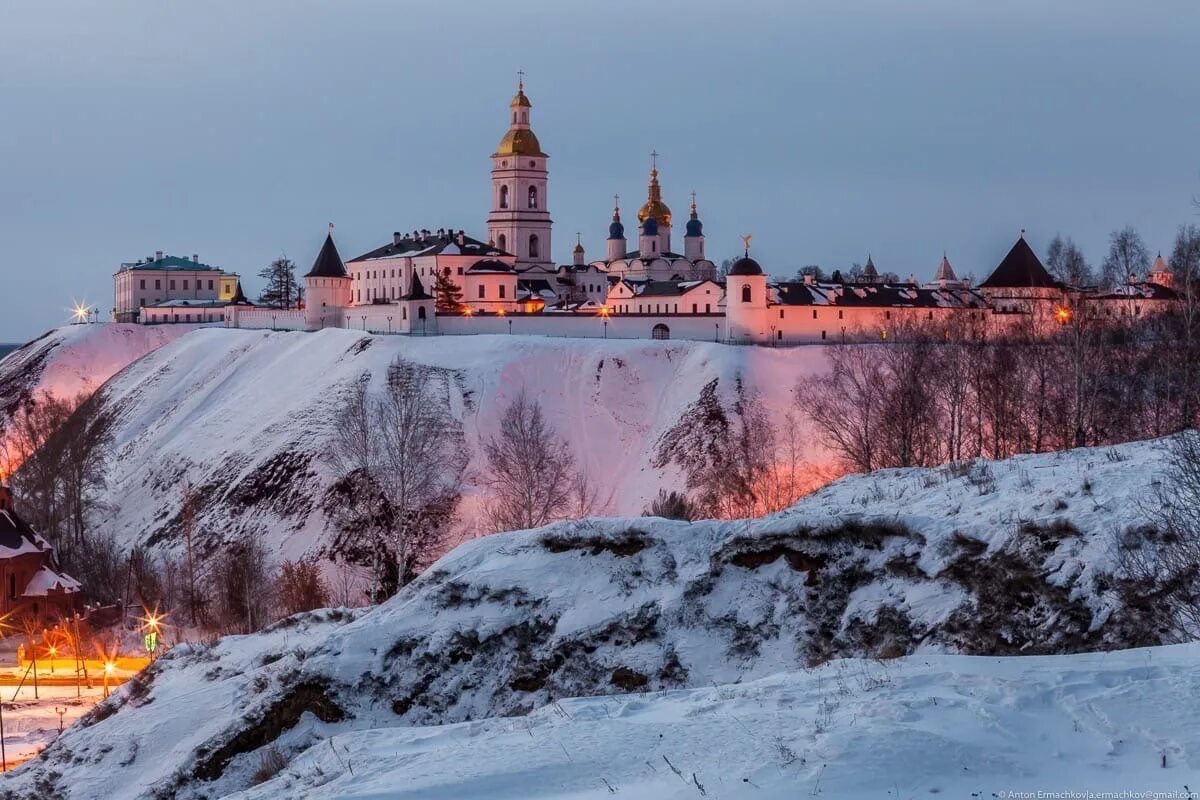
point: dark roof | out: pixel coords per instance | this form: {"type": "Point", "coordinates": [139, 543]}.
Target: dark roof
{"type": "Point", "coordinates": [635, 254]}
{"type": "Point", "coordinates": [239, 297]}
{"type": "Point", "coordinates": [1020, 268]}
{"type": "Point", "coordinates": [15, 533]}
{"type": "Point", "coordinates": [745, 266]}
{"type": "Point", "coordinates": [876, 295]}
{"type": "Point", "coordinates": [667, 288]}
{"type": "Point", "coordinates": [329, 263]}
{"type": "Point", "coordinates": [432, 244]}
{"type": "Point", "coordinates": [417, 290]}
{"type": "Point", "coordinates": [535, 285]}
{"type": "Point", "coordinates": [1140, 291]}
{"type": "Point", "coordinates": [489, 265]}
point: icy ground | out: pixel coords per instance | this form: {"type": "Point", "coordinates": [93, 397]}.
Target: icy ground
{"type": "Point", "coordinates": [32, 723]}
{"type": "Point", "coordinates": [918, 727]}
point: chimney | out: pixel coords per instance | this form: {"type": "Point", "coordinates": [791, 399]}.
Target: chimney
{"type": "Point", "coordinates": [460, 239]}
{"type": "Point", "coordinates": [397, 238]}
{"type": "Point", "coordinates": [6, 499]}
{"type": "Point", "coordinates": [809, 279]}
{"type": "Point", "coordinates": [195, 258]}
{"type": "Point", "coordinates": [158, 255]}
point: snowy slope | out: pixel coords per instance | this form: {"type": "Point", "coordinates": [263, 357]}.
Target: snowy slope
{"type": "Point", "coordinates": [74, 359]}
{"type": "Point", "coordinates": [1011, 557]}
{"type": "Point", "coordinates": [245, 416]}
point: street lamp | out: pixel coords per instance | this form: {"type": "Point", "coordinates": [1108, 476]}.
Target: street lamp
{"type": "Point", "coordinates": [716, 331]}
{"type": "Point", "coordinates": [364, 319]}
{"type": "Point", "coordinates": [108, 671]}
{"type": "Point", "coordinates": [389, 323]}
{"type": "Point", "coordinates": [272, 322]}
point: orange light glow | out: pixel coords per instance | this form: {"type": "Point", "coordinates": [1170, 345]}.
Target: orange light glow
{"type": "Point", "coordinates": [604, 312]}
{"type": "Point", "coordinates": [500, 313]}
{"type": "Point", "coordinates": [109, 667]}
{"type": "Point", "coordinates": [1063, 315]}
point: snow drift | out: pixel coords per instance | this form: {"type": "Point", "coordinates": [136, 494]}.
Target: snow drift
{"type": "Point", "coordinates": [1012, 557]}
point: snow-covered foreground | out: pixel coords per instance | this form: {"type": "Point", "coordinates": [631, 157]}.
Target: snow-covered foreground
{"type": "Point", "coordinates": [718, 624]}
{"type": "Point", "coordinates": [923, 726]}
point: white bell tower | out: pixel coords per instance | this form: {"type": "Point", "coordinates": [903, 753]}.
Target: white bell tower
{"type": "Point", "coordinates": [519, 222]}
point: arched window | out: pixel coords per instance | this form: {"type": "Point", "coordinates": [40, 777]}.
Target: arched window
{"type": "Point", "coordinates": [533, 245]}
{"type": "Point", "coordinates": [502, 242]}
{"type": "Point", "coordinates": [504, 197]}
{"type": "Point", "coordinates": [660, 331]}
{"type": "Point", "coordinates": [420, 312]}
{"type": "Point", "coordinates": [533, 197]}
{"type": "Point", "coordinates": [746, 293]}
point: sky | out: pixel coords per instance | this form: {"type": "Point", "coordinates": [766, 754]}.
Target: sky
{"type": "Point", "coordinates": [827, 129]}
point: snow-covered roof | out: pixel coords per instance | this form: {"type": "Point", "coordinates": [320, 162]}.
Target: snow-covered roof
{"type": "Point", "coordinates": [46, 580]}
{"type": "Point", "coordinates": [17, 538]}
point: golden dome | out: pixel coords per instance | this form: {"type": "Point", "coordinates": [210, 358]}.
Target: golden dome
{"type": "Point", "coordinates": [654, 206]}
{"type": "Point", "coordinates": [520, 100]}
{"type": "Point", "coordinates": [519, 142]}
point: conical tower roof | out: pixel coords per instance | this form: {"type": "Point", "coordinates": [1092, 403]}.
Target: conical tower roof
{"type": "Point", "coordinates": [944, 271]}
{"type": "Point", "coordinates": [1021, 268]}
{"type": "Point", "coordinates": [329, 263]}
{"type": "Point", "coordinates": [869, 272]}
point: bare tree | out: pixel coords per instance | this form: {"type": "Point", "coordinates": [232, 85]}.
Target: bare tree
{"type": "Point", "coordinates": [531, 472]}
{"type": "Point", "coordinates": [1185, 266]}
{"type": "Point", "coordinates": [241, 585]}
{"type": "Point", "coordinates": [402, 455]}
{"type": "Point", "coordinates": [1127, 257]}
{"type": "Point", "coordinates": [1162, 560]}
{"type": "Point", "coordinates": [846, 405]}
{"type": "Point", "coordinates": [1065, 261]}
{"type": "Point", "coordinates": [59, 447]}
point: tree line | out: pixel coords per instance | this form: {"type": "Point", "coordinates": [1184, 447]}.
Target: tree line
{"type": "Point", "coordinates": [935, 394]}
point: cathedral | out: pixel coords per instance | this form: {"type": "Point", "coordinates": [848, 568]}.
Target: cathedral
{"type": "Point", "coordinates": [445, 281]}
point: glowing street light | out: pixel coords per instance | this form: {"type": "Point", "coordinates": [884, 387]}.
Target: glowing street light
{"type": "Point", "coordinates": [109, 666]}
{"type": "Point", "coordinates": [1063, 315]}
{"type": "Point", "coordinates": [80, 313]}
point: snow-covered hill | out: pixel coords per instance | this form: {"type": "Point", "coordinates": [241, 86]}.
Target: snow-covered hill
{"type": "Point", "coordinates": [77, 359]}
{"type": "Point", "coordinates": [1013, 557]}
{"type": "Point", "coordinates": [245, 417]}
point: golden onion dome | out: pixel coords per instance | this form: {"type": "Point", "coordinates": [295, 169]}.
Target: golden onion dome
{"type": "Point", "coordinates": [519, 142]}
{"type": "Point", "coordinates": [654, 206]}
{"type": "Point", "coordinates": [520, 100]}
{"type": "Point", "coordinates": [657, 209]}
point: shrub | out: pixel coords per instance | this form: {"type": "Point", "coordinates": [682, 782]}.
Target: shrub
{"type": "Point", "coordinates": [300, 587]}
{"type": "Point", "coordinates": [270, 763]}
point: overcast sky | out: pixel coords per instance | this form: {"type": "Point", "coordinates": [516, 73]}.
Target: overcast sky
{"type": "Point", "coordinates": [238, 130]}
